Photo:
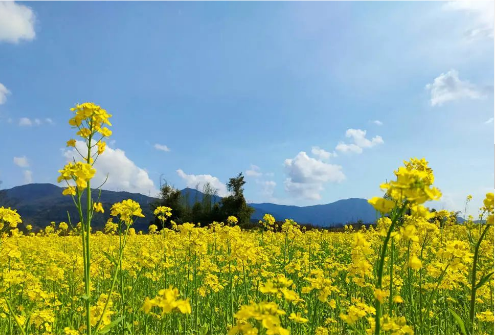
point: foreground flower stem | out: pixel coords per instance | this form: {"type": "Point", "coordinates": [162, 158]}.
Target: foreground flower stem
{"type": "Point", "coordinates": [391, 270]}
{"type": "Point", "coordinates": [378, 314]}
{"type": "Point", "coordinates": [474, 286]}
{"type": "Point", "coordinates": [11, 311]}
{"type": "Point", "coordinates": [114, 279]}
{"type": "Point", "coordinates": [87, 250]}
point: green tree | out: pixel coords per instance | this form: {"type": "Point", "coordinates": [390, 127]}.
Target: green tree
{"type": "Point", "coordinates": [171, 197]}
{"type": "Point", "coordinates": [197, 213]}
{"type": "Point", "coordinates": [209, 194]}
{"type": "Point", "coordinates": [235, 204]}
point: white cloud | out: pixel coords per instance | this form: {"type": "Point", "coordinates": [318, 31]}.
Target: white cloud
{"type": "Point", "coordinates": [360, 141]}
{"type": "Point", "coordinates": [28, 176]}
{"type": "Point", "coordinates": [3, 91]}
{"type": "Point", "coordinates": [254, 171]}
{"type": "Point", "coordinates": [490, 120]}
{"type": "Point", "coordinates": [322, 154]}
{"type": "Point", "coordinates": [306, 176]}
{"type": "Point", "coordinates": [479, 17]}
{"type": "Point", "coordinates": [343, 147]}
{"type": "Point", "coordinates": [26, 122]}
{"type": "Point", "coordinates": [201, 179]}
{"type": "Point", "coordinates": [21, 161]}
{"type": "Point", "coordinates": [123, 174]}
{"type": "Point", "coordinates": [448, 87]}
{"type": "Point", "coordinates": [378, 122]}
{"type": "Point", "coordinates": [267, 188]}
{"type": "Point", "coordinates": [161, 147]}
{"type": "Point", "coordinates": [16, 22]}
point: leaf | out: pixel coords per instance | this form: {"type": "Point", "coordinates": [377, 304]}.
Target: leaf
{"type": "Point", "coordinates": [128, 325]}
{"type": "Point", "coordinates": [484, 280]}
{"type": "Point", "coordinates": [110, 258]}
{"type": "Point", "coordinates": [107, 328]}
{"type": "Point", "coordinates": [459, 321]}
{"type": "Point", "coordinates": [84, 297]}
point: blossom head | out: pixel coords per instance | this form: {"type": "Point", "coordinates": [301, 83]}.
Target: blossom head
{"type": "Point", "coordinates": [413, 184]}
{"type": "Point", "coordinates": [126, 211]}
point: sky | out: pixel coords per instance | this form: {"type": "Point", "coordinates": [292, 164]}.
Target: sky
{"type": "Point", "coordinates": [312, 102]}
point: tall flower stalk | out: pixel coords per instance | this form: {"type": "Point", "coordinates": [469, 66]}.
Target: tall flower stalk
{"type": "Point", "coordinates": [487, 208]}
{"type": "Point", "coordinates": [89, 119]}
{"type": "Point", "coordinates": [408, 192]}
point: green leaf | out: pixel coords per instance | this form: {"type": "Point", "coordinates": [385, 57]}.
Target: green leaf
{"type": "Point", "coordinates": [484, 280]}
{"type": "Point", "coordinates": [128, 325]}
{"type": "Point", "coordinates": [107, 328]}
{"type": "Point", "coordinates": [459, 322]}
{"type": "Point", "coordinates": [110, 258]}
{"type": "Point", "coordinates": [84, 297]}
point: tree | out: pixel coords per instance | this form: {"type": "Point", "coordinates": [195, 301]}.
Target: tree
{"type": "Point", "coordinates": [171, 197]}
{"type": "Point", "coordinates": [235, 204]}
{"type": "Point", "coordinates": [235, 185]}
{"type": "Point", "coordinates": [197, 213]}
{"type": "Point", "coordinates": [209, 193]}
{"type": "Point", "coordinates": [206, 209]}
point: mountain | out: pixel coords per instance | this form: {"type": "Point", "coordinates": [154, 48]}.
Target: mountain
{"type": "Point", "coordinates": [339, 212]}
{"type": "Point", "coordinates": [40, 204]}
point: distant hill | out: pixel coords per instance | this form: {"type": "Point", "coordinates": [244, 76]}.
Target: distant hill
{"type": "Point", "coordinates": [39, 204]}
{"type": "Point", "coordinates": [339, 212]}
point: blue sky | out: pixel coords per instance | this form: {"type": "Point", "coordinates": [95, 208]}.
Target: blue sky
{"type": "Point", "coordinates": [314, 102]}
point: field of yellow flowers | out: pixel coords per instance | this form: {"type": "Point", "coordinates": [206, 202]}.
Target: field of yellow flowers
{"type": "Point", "coordinates": [415, 272]}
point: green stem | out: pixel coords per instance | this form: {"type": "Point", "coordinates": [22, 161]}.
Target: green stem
{"type": "Point", "coordinates": [114, 279]}
{"type": "Point", "coordinates": [378, 307]}
{"type": "Point", "coordinates": [473, 278]}
{"type": "Point", "coordinates": [420, 286]}
{"type": "Point", "coordinates": [391, 270]}
{"type": "Point", "coordinates": [11, 310]}
{"type": "Point", "coordinates": [87, 279]}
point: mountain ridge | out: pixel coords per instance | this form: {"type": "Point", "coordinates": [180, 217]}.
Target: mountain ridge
{"type": "Point", "coordinates": [41, 203]}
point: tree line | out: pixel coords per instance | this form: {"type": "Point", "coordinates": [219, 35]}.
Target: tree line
{"type": "Point", "coordinates": [207, 206]}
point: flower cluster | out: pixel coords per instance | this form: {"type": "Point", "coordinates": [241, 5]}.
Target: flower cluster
{"type": "Point", "coordinates": [89, 119]}
{"type": "Point", "coordinates": [267, 313]}
{"type": "Point", "coordinates": [126, 211]}
{"type": "Point", "coordinates": [488, 207]}
{"type": "Point", "coordinates": [232, 220]}
{"type": "Point", "coordinates": [356, 312]}
{"type": "Point", "coordinates": [167, 301]}
{"type": "Point", "coordinates": [99, 312]}
{"type": "Point", "coordinates": [268, 221]}
{"type": "Point", "coordinates": [281, 287]}
{"type": "Point", "coordinates": [163, 213]}
{"type": "Point", "coordinates": [9, 218]}
{"type": "Point", "coordinates": [79, 172]}
{"type": "Point", "coordinates": [413, 185]}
